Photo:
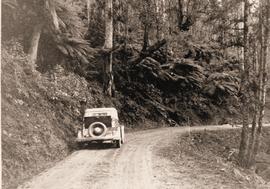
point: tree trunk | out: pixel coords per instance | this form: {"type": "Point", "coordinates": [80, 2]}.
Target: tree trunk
{"type": "Point", "coordinates": [244, 94]}
{"type": "Point", "coordinates": [157, 9]}
{"type": "Point", "coordinates": [163, 19]}
{"type": "Point", "coordinates": [263, 75]}
{"type": "Point", "coordinates": [170, 19]}
{"type": "Point", "coordinates": [261, 115]}
{"type": "Point", "coordinates": [145, 38]}
{"type": "Point", "coordinates": [180, 15]}
{"type": "Point", "coordinates": [51, 8]}
{"type": "Point", "coordinates": [146, 25]}
{"type": "Point", "coordinates": [160, 19]}
{"type": "Point", "coordinates": [33, 49]}
{"type": "Point", "coordinates": [88, 4]}
{"type": "Point", "coordinates": [88, 11]}
{"type": "Point", "coordinates": [108, 45]}
{"type": "Point", "coordinates": [250, 154]}
{"type": "Point", "coordinates": [257, 96]}
{"type": "Point", "coordinates": [126, 16]}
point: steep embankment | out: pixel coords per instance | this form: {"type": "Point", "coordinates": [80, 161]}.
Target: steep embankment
{"type": "Point", "coordinates": [39, 117]}
{"type": "Point", "coordinates": [216, 152]}
{"type": "Point", "coordinates": [193, 87]}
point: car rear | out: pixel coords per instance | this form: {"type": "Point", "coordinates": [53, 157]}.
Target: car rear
{"type": "Point", "coordinates": [99, 129]}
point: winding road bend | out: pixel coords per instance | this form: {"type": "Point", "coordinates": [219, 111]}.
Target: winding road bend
{"type": "Point", "coordinates": [134, 166]}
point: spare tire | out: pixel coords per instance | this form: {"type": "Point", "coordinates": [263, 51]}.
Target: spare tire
{"type": "Point", "coordinates": [97, 129]}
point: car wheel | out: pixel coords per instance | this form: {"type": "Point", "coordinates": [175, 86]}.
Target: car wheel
{"type": "Point", "coordinates": [118, 144]}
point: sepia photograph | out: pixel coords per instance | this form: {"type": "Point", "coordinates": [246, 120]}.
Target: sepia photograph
{"type": "Point", "coordinates": [135, 94]}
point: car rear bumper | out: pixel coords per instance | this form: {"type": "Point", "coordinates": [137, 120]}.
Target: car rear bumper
{"type": "Point", "coordinates": [90, 139]}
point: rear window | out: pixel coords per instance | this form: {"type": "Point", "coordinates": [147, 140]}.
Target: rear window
{"type": "Point", "coordinates": [107, 120]}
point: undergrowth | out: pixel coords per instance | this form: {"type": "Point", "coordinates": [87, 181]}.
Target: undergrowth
{"type": "Point", "coordinates": [39, 115]}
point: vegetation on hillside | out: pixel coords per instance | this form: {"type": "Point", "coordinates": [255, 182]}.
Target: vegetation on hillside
{"type": "Point", "coordinates": [217, 151]}
{"type": "Point", "coordinates": [39, 117]}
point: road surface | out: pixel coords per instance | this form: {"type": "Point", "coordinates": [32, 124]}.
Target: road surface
{"type": "Point", "coordinates": [134, 166]}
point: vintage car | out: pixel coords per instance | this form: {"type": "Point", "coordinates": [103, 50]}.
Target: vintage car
{"type": "Point", "coordinates": [100, 125]}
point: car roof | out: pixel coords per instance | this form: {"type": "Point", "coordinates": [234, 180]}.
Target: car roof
{"type": "Point", "coordinates": [92, 111]}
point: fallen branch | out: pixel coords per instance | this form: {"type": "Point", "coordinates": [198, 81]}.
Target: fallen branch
{"type": "Point", "coordinates": [148, 52]}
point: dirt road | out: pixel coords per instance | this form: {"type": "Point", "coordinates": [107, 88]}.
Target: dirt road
{"type": "Point", "coordinates": [134, 166]}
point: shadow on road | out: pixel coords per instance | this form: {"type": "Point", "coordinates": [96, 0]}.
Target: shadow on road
{"type": "Point", "coordinates": [96, 146]}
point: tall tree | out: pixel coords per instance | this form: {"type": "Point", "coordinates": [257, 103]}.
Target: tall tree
{"type": "Point", "coordinates": [244, 92]}
{"type": "Point", "coordinates": [256, 90]}
{"type": "Point", "coordinates": [38, 26]}
{"type": "Point", "coordinates": [263, 72]}
{"type": "Point", "coordinates": [89, 4]}
{"type": "Point", "coordinates": [108, 45]}
{"type": "Point", "coordinates": [146, 19]}
{"type": "Point", "coordinates": [57, 21]}
{"type": "Point", "coordinates": [160, 18]}
{"type": "Point", "coordinates": [260, 93]}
